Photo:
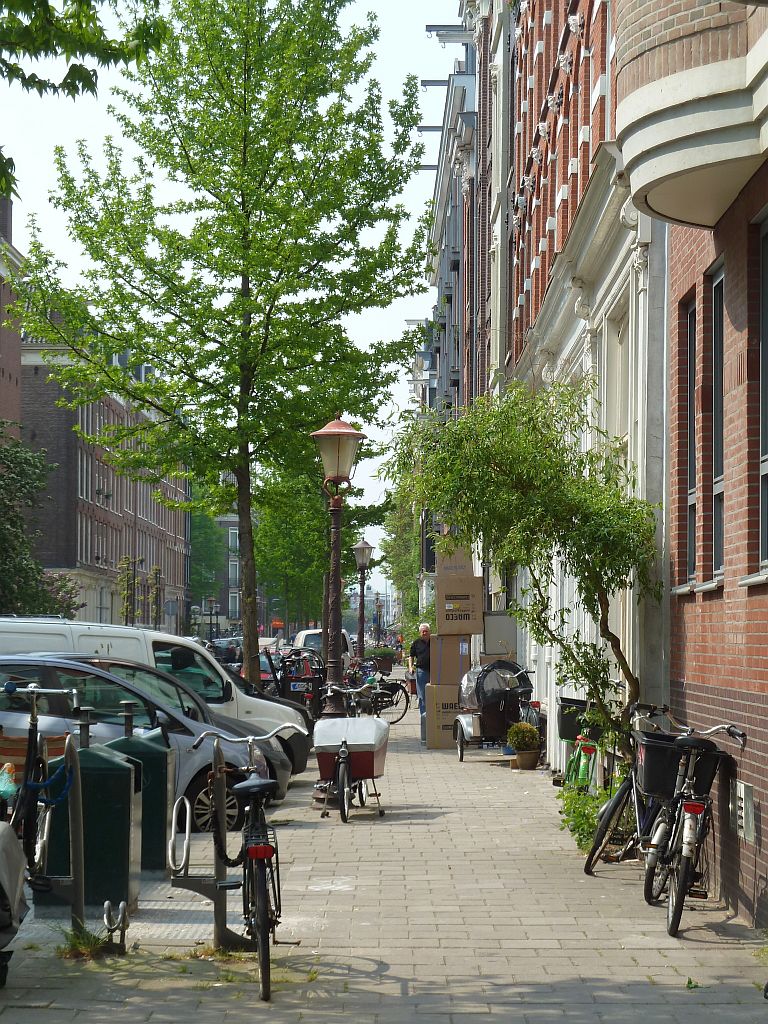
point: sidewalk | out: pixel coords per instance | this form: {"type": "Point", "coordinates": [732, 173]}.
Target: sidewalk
{"type": "Point", "coordinates": [465, 901]}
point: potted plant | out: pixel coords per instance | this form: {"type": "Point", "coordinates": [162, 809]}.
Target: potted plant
{"type": "Point", "coordinates": [525, 739]}
{"type": "Point", "coordinates": [385, 657]}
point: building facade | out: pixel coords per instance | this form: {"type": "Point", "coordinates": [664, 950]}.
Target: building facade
{"type": "Point", "coordinates": [691, 113]}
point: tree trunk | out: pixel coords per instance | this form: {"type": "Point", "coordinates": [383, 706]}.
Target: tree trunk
{"type": "Point", "coordinates": [249, 595]}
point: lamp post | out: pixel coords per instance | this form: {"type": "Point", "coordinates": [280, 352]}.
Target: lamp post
{"type": "Point", "coordinates": [337, 443]}
{"type": "Point", "coordinates": [378, 606]}
{"type": "Point", "coordinates": [212, 607]}
{"type": "Point", "coordinates": [362, 552]}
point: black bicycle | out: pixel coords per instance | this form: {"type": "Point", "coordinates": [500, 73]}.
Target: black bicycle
{"type": "Point", "coordinates": [673, 858]}
{"type": "Point", "coordinates": [627, 818]}
{"type": "Point", "coordinates": [258, 856]}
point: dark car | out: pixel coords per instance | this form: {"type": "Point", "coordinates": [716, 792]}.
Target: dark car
{"type": "Point", "coordinates": [104, 693]}
{"type": "Point", "coordinates": [163, 687]}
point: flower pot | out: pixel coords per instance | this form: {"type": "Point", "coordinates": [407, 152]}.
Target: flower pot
{"type": "Point", "coordinates": [527, 758]}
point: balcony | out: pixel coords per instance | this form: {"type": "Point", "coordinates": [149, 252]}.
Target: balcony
{"type": "Point", "coordinates": [692, 138]}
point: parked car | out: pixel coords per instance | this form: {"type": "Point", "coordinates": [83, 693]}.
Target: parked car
{"type": "Point", "coordinates": [226, 692]}
{"type": "Point", "coordinates": [103, 692]}
{"type": "Point", "coordinates": [313, 638]}
{"type": "Point", "coordinates": [180, 698]}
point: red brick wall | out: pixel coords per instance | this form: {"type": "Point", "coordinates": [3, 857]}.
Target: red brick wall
{"type": "Point", "coordinates": [719, 639]}
{"type": "Point", "coordinates": [655, 38]}
{"type": "Point", "coordinates": [10, 363]}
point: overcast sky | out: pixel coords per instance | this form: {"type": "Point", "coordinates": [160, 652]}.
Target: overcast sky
{"type": "Point", "coordinates": [32, 126]}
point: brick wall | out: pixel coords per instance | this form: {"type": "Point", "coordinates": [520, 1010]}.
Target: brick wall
{"type": "Point", "coordinates": [655, 39]}
{"type": "Point", "coordinates": [10, 362]}
{"type": "Point", "coordinates": [719, 638]}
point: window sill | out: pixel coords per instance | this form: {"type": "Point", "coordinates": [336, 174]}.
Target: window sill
{"type": "Point", "coordinates": [754, 580]}
{"type": "Point", "coordinates": [683, 590]}
{"type": "Point", "coordinates": [706, 588]}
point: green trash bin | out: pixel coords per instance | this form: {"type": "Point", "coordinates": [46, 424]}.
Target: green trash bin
{"type": "Point", "coordinates": [158, 773]}
{"type": "Point", "coordinates": [111, 787]}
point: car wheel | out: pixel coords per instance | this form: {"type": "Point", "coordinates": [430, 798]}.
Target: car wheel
{"type": "Point", "coordinates": [202, 807]}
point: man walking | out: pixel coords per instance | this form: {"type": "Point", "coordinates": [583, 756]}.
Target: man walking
{"type": "Point", "coordinates": [418, 659]}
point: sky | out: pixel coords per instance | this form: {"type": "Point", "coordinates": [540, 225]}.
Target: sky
{"type": "Point", "coordinates": [33, 126]}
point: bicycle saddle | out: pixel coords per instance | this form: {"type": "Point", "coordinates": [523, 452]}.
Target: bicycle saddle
{"type": "Point", "coordinates": [254, 786]}
{"type": "Point", "coordinates": [695, 743]}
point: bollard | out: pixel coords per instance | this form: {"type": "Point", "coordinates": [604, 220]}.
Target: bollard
{"type": "Point", "coordinates": [85, 728]}
{"type": "Point", "coordinates": [128, 706]}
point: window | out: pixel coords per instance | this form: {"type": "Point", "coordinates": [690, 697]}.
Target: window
{"type": "Point", "coordinates": [234, 542]}
{"type": "Point", "coordinates": [717, 426]}
{"type": "Point", "coordinates": [234, 572]}
{"type": "Point", "coordinates": [234, 604]}
{"type": "Point", "coordinates": [691, 440]}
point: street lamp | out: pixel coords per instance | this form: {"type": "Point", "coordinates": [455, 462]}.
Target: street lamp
{"type": "Point", "coordinates": [362, 552]}
{"type": "Point", "coordinates": [378, 606]}
{"type": "Point", "coordinates": [212, 608]}
{"type": "Point", "coordinates": [337, 443]}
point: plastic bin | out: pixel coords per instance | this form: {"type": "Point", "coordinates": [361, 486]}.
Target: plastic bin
{"type": "Point", "coordinates": [111, 785]}
{"type": "Point", "coordinates": [570, 723]}
{"type": "Point", "coordinates": [158, 770]}
{"type": "Point", "coordinates": [657, 763]}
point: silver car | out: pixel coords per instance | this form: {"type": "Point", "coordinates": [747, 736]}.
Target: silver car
{"type": "Point", "coordinates": [104, 692]}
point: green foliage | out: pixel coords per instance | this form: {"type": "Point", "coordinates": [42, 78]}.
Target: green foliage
{"type": "Point", "coordinates": [25, 588]}
{"type": "Point", "coordinates": [35, 29]}
{"type": "Point", "coordinates": [208, 550]}
{"type": "Point", "coordinates": [579, 813]}
{"type": "Point", "coordinates": [401, 554]}
{"type": "Point", "coordinates": [380, 652]}
{"type": "Point", "coordinates": [280, 217]}
{"type": "Point", "coordinates": [523, 736]}
{"type": "Point", "coordinates": [517, 473]}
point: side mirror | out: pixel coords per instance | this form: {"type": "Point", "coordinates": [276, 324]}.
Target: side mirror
{"type": "Point", "coordinates": [226, 691]}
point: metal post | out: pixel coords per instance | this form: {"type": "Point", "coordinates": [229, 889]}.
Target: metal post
{"type": "Point", "coordinates": [128, 706]}
{"type": "Point", "coordinates": [76, 844]}
{"type": "Point", "coordinates": [361, 618]}
{"type": "Point", "coordinates": [334, 594]}
{"type": "Point", "coordinates": [220, 929]}
{"type": "Point", "coordinates": [85, 728]}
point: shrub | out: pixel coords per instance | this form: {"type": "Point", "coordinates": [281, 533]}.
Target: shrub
{"type": "Point", "coordinates": [523, 736]}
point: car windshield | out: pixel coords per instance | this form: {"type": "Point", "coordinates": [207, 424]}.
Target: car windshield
{"type": "Point", "coordinates": [313, 640]}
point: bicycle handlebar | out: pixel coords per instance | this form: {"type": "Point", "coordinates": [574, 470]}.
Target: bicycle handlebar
{"type": "Point", "coordinates": [346, 690]}
{"type": "Point", "coordinates": [213, 733]}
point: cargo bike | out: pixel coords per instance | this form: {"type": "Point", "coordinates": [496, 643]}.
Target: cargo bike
{"type": "Point", "coordinates": [351, 752]}
{"type": "Point", "coordinates": [491, 699]}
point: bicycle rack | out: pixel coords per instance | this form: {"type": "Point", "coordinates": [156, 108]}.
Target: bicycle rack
{"type": "Point", "coordinates": [212, 887]}
{"type": "Point", "coordinates": [112, 925]}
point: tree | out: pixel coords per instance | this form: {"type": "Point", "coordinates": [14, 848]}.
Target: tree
{"type": "Point", "coordinates": [518, 474]}
{"type": "Point", "coordinates": [401, 553]}
{"type": "Point", "coordinates": [25, 588]}
{"type": "Point", "coordinates": [219, 311]}
{"type": "Point", "coordinates": [34, 29]}
{"type": "Point", "coordinates": [207, 553]}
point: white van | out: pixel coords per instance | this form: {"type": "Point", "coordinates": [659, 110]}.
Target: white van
{"type": "Point", "coordinates": [186, 659]}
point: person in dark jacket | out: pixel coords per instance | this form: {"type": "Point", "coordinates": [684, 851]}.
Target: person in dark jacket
{"type": "Point", "coordinates": [418, 660]}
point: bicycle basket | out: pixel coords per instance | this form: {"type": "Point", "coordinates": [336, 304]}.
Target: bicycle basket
{"type": "Point", "coordinates": [657, 763]}
{"type": "Point", "coordinates": [570, 720]}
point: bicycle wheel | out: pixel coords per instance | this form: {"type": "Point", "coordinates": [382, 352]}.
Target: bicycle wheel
{"type": "Point", "coordinates": [680, 878]}
{"type": "Point", "coordinates": [362, 792]}
{"type": "Point", "coordinates": [261, 928]}
{"type": "Point", "coordinates": [392, 706]}
{"type": "Point", "coordinates": [657, 874]}
{"type": "Point", "coordinates": [459, 742]}
{"type": "Point", "coordinates": [617, 817]}
{"type": "Point", "coordinates": [345, 791]}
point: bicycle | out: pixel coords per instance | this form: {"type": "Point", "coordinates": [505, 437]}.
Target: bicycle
{"type": "Point", "coordinates": [626, 818]}
{"type": "Point", "coordinates": [258, 856]}
{"type": "Point", "coordinates": [386, 699]}
{"type": "Point", "coordinates": [674, 851]}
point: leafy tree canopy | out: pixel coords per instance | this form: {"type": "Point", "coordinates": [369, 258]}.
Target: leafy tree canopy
{"type": "Point", "coordinates": [264, 208]}
{"type": "Point", "coordinates": [34, 29]}
{"type": "Point", "coordinates": [531, 477]}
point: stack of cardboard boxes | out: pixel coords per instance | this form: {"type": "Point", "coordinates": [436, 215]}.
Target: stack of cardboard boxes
{"type": "Point", "coordinates": [459, 611]}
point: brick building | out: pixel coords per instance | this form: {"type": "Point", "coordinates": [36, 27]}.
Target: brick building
{"type": "Point", "coordinates": [10, 343]}
{"type": "Point", "coordinates": [690, 117]}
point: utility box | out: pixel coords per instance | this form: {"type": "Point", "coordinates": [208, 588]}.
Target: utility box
{"type": "Point", "coordinates": [111, 785]}
{"type": "Point", "coordinates": [158, 773]}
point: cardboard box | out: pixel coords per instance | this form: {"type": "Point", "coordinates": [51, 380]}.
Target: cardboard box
{"type": "Point", "coordinates": [459, 563]}
{"type": "Point", "coordinates": [449, 658]}
{"type": "Point", "coordinates": [459, 605]}
{"type": "Point", "coordinates": [442, 709]}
